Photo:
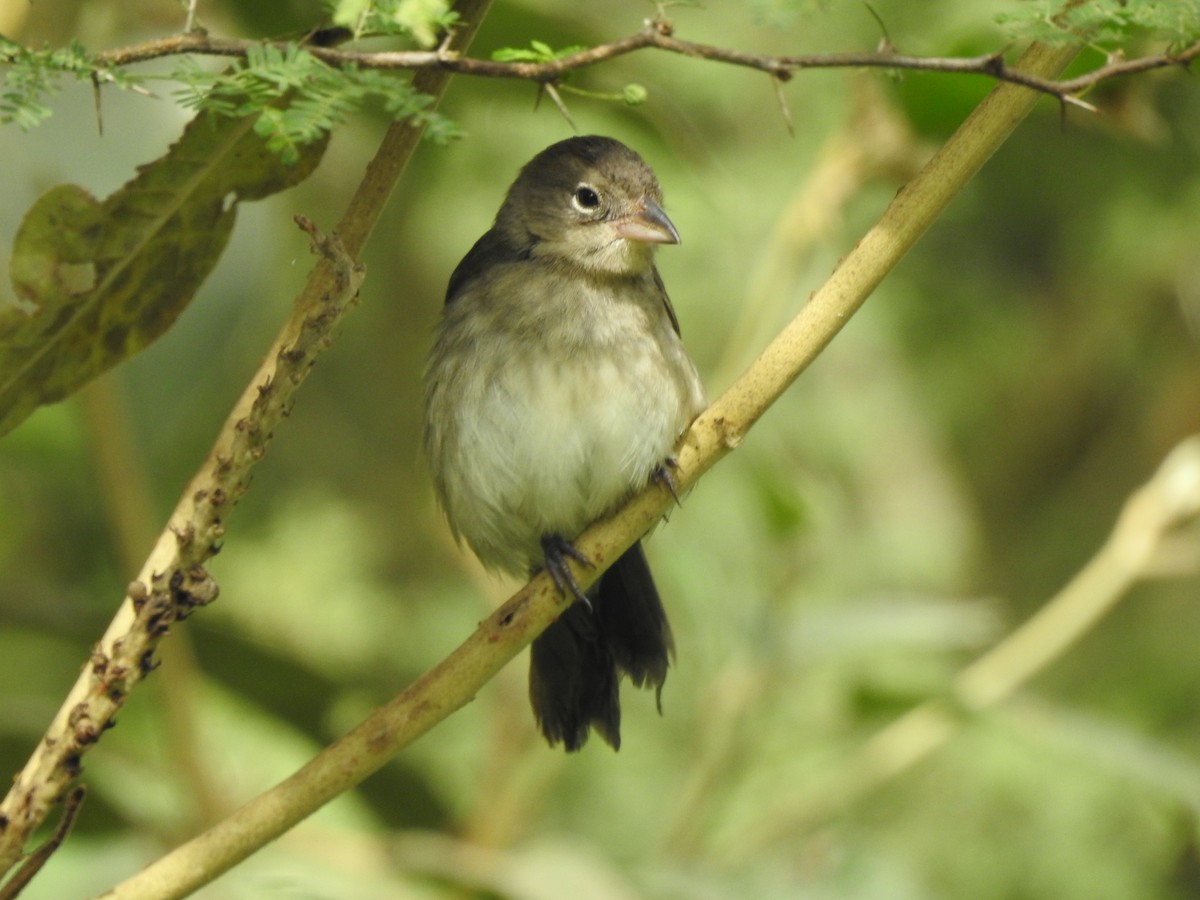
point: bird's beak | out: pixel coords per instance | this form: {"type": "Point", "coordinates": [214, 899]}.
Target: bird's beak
{"type": "Point", "coordinates": [649, 224]}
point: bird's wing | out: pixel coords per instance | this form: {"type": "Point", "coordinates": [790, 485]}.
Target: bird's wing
{"type": "Point", "coordinates": [490, 250]}
{"type": "Point", "coordinates": [662, 292]}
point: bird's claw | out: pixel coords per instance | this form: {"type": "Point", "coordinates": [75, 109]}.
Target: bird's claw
{"type": "Point", "coordinates": [556, 549]}
{"type": "Point", "coordinates": [663, 476]}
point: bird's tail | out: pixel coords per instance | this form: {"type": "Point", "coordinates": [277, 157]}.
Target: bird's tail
{"type": "Point", "coordinates": [576, 664]}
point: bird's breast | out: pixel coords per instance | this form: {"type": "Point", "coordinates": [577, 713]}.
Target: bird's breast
{"type": "Point", "coordinates": [557, 418]}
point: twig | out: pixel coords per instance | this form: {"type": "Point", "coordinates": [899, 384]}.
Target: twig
{"type": "Point", "coordinates": [552, 92]}
{"type": "Point", "coordinates": [125, 484]}
{"type": "Point", "coordinates": [1147, 523]}
{"type": "Point", "coordinates": [189, 23]}
{"type": "Point", "coordinates": [173, 581]}
{"type": "Point", "coordinates": [658, 34]}
{"type": "Point", "coordinates": [455, 681]}
{"type": "Point", "coordinates": [876, 144]}
{"type": "Point", "coordinates": [42, 854]}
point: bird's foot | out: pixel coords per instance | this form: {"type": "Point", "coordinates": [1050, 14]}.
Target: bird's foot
{"type": "Point", "coordinates": [664, 476]}
{"type": "Point", "coordinates": [556, 549]}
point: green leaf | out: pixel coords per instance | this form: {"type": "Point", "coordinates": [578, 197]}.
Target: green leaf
{"type": "Point", "coordinates": [96, 281]}
{"type": "Point", "coordinates": [515, 54]}
{"type": "Point", "coordinates": [634, 94]}
{"type": "Point", "coordinates": [422, 20]}
{"type": "Point", "coordinates": [1104, 21]}
{"type": "Point", "coordinates": [298, 98]}
{"type": "Point", "coordinates": [538, 52]}
{"type": "Point", "coordinates": [33, 76]}
{"type": "Point", "coordinates": [568, 51]}
{"type": "Point", "coordinates": [348, 12]}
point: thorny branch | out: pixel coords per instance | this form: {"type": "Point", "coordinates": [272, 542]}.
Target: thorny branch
{"type": "Point", "coordinates": [168, 592]}
{"type": "Point", "coordinates": [36, 860]}
{"type": "Point", "coordinates": [173, 581]}
{"type": "Point", "coordinates": [659, 34]}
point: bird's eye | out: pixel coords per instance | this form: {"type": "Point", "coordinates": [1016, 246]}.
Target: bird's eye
{"type": "Point", "coordinates": [585, 198]}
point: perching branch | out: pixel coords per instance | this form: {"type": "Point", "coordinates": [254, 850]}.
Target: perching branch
{"type": "Point", "coordinates": [659, 34]}
{"type": "Point", "coordinates": [173, 581]}
{"type": "Point", "coordinates": [455, 681]}
{"type": "Point", "coordinates": [12, 888]}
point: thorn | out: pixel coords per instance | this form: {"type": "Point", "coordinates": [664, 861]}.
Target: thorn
{"type": "Point", "coordinates": [445, 48]}
{"type": "Point", "coordinates": [885, 44]}
{"type": "Point", "coordinates": [96, 100]}
{"type": "Point", "coordinates": [189, 24]}
{"type": "Point", "coordinates": [783, 108]}
{"type": "Point", "coordinates": [1072, 100]}
{"type": "Point", "coordinates": [664, 477]}
{"type": "Point", "coordinates": [552, 92]}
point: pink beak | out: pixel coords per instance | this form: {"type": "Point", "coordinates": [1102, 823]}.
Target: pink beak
{"type": "Point", "coordinates": [650, 225]}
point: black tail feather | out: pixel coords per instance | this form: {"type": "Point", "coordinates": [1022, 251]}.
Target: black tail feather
{"type": "Point", "coordinates": [577, 662]}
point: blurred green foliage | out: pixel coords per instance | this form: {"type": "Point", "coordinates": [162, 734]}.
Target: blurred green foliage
{"type": "Point", "coordinates": [955, 456]}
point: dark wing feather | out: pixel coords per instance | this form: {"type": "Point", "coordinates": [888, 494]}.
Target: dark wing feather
{"type": "Point", "coordinates": [490, 250]}
{"type": "Point", "coordinates": [576, 663]}
{"type": "Point", "coordinates": [662, 291]}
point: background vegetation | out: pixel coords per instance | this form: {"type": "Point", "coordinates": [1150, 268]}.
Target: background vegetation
{"type": "Point", "coordinates": [954, 457]}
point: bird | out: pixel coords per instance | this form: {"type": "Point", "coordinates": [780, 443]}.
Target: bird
{"type": "Point", "coordinates": [557, 386]}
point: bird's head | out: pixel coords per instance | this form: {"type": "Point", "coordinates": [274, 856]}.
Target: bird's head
{"type": "Point", "coordinates": [589, 202]}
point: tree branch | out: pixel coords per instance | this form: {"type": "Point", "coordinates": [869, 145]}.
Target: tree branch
{"type": "Point", "coordinates": [33, 864]}
{"type": "Point", "coordinates": [173, 581]}
{"type": "Point", "coordinates": [455, 681]}
{"type": "Point", "coordinates": [658, 34]}
{"type": "Point", "coordinates": [1150, 518]}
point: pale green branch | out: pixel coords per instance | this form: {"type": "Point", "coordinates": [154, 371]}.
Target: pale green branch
{"type": "Point", "coordinates": [1148, 522]}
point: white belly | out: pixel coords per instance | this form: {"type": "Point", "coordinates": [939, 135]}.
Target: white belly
{"type": "Point", "coordinates": [549, 450]}
{"type": "Point", "coordinates": [540, 424]}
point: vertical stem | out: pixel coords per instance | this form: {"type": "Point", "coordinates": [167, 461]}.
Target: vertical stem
{"type": "Point", "coordinates": [196, 863]}
{"type": "Point", "coordinates": [122, 479]}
